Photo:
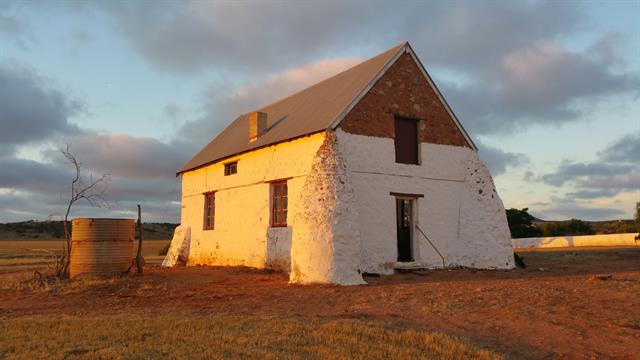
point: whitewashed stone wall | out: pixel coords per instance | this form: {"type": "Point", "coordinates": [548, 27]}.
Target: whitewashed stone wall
{"type": "Point", "coordinates": [326, 241]}
{"type": "Point", "coordinates": [342, 215]}
{"type": "Point", "coordinates": [484, 231]}
{"type": "Point", "coordinates": [469, 228]}
{"type": "Point", "coordinates": [242, 234]}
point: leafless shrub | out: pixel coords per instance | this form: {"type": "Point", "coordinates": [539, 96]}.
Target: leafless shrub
{"type": "Point", "coordinates": [91, 190]}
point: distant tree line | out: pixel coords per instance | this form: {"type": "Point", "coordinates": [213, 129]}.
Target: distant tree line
{"type": "Point", "coordinates": [522, 225]}
{"type": "Point", "coordinates": [55, 230]}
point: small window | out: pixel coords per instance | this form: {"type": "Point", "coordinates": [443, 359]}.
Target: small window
{"type": "Point", "coordinates": [279, 204]}
{"type": "Point", "coordinates": [231, 168]}
{"type": "Point", "coordinates": [407, 141]}
{"type": "Point", "coordinates": [209, 211]}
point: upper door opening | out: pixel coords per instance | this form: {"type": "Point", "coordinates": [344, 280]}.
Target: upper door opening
{"type": "Point", "coordinates": [407, 141]}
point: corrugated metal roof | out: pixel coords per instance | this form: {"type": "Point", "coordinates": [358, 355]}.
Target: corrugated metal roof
{"type": "Point", "coordinates": [309, 111]}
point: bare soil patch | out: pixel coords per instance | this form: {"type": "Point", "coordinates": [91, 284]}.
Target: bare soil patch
{"type": "Point", "coordinates": [555, 308]}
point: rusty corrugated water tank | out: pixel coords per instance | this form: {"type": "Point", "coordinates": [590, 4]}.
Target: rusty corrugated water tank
{"type": "Point", "coordinates": [101, 247]}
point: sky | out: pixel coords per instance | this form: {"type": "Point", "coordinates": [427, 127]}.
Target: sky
{"type": "Point", "coordinates": [549, 91]}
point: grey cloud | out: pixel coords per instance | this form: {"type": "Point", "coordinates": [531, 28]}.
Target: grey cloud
{"type": "Point", "coordinates": [192, 36]}
{"type": "Point", "coordinates": [573, 210]}
{"type": "Point", "coordinates": [29, 175]}
{"type": "Point", "coordinates": [540, 84]}
{"type": "Point", "coordinates": [621, 182]}
{"type": "Point", "coordinates": [33, 111]}
{"type": "Point", "coordinates": [473, 36]}
{"type": "Point", "coordinates": [10, 25]}
{"type": "Point", "coordinates": [498, 160]}
{"type": "Point", "coordinates": [627, 149]}
{"type": "Point", "coordinates": [223, 106]}
{"type": "Point", "coordinates": [591, 194]}
{"type": "Point", "coordinates": [37, 190]}
{"type": "Point", "coordinates": [617, 169]}
{"type": "Point", "coordinates": [518, 75]}
{"type": "Point", "coordinates": [188, 37]}
{"type": "Point", "coordinates": [123, 155]}
{"type": "Point", "coordinates": [171, 110]}
{"type": "Point", "coordinates": [11, 29]}
{"type": "Point", "coordinates": [161, 190]}
{"type": "Point", "coordinates": [30, 108]}
{"type": "Point", "coordinates": [529, 176]}
{"type": "Point", "coordinates": [550, 75]}
{"type": "Point", "coordinates": [19, 206]}
{"type": "Point", "coordinates": [7, 150]}
{"type": "Point", "coordinates": [571, 171]}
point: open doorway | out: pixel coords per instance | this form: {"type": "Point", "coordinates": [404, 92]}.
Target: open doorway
{"type": "Point", "coordinates": [404, 219]}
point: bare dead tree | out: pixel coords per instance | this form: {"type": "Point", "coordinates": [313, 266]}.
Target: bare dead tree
{"type": "Point", "coordinates": [92, 191]}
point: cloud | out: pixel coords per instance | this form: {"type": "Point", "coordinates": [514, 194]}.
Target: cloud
{"type": "Point", "coordinates": [276, 86]}
{"type": "Point", "coordinates": [621, 182]}
{"type": "Point", "coordinates": [626, 149]}
{"type": "Point", "coordinates": [568, 210]}
{"type": "Point", "coordinates": [517, 72]}
{"type": "Point", "coordinates": [19, 206]}
{"type": "Point", "coordinates": [123, 155]}
{"type": "Point", "coordinates": [223, 106]}
{"type": "Point", "coordinates": [31, 108]}
{"type": "Point", "coordinates": [473, 37]}
{"type": "Point", "coordinates": [30, 175]}
{"type": "Point", "coordinates": [572, 171]}
{"type": "Point", "coordinates": [503, 68]}
{"type": "Point", "coordinates": [498, 160]}
{"type": "Point", "coordinates": [540, 84]}
{"type": "Point", "coordinates": [35, 113]}
{"type": "Point", "coordinates": [11, 29]}
{"type": "Point", "coordinates": [591, 194]}
{"type": "Point", "coordinates": [615, 170]}
{"type": "Point", "coordinates": [547, 74]}
{"type": "Point", "coordinates": [32, 189]}
{"type": "Point", "coordinates": [193, 36]}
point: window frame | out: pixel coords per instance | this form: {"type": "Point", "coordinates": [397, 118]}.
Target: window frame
{"type": "Point", "coordinates": [209, 196]}
{"type": "Point", "coordinates": [229, 166]}
{"type": "Point", "coordinates": [283, 198]}
{"type": "Point", "coordinates": [418, 155]}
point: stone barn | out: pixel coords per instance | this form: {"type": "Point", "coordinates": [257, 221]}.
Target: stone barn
{"type": "Point", "coordinates": [368, 171]}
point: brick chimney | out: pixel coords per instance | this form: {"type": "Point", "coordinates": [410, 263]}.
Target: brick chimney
{"type": "Point", "coordinates": [257, 125]}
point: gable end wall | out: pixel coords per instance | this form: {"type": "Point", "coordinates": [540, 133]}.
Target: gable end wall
{"type": "Point", "coordinates": [403, 91]}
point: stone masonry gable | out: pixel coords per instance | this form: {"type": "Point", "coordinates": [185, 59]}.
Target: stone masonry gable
{"type": "Point", "coordinates": [403, 91]}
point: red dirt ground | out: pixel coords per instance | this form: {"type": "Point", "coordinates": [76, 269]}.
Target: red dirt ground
{"type": "Point", "coordinates": [558, 312]}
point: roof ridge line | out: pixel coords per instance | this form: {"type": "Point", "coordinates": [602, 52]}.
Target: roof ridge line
{"type": "Point", "coordinates": [401, 49]}
{"type": "Point", "coordinates": [404, 43]}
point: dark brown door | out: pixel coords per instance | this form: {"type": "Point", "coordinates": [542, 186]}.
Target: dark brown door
{"type": "Point", "coordinates": [406, 140]}
{"type": "Point", "coordinates": [404, 218]}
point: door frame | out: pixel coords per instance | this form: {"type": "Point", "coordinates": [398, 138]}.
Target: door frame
{"type": "Point", "coordinates": [414, 220]}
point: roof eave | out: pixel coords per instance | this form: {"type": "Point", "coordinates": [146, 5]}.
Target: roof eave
{"type": "Point", "coordinates": [182, 171]}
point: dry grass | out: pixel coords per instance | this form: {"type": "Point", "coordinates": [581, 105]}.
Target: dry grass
{"type": "Point", "coordinates": [25, 255]}
{"type": "Point", "coordinates": [47, 283]}
{"type": "Point", "coordinates": [224, 337]}
{"type": "Point", "coordinates": [19, 259]}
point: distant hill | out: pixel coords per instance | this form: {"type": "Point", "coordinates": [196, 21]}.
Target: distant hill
{"type": "Point", "coordinates": [50, 230]}
{"type": "Point", "coordinates": [599, 227]}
